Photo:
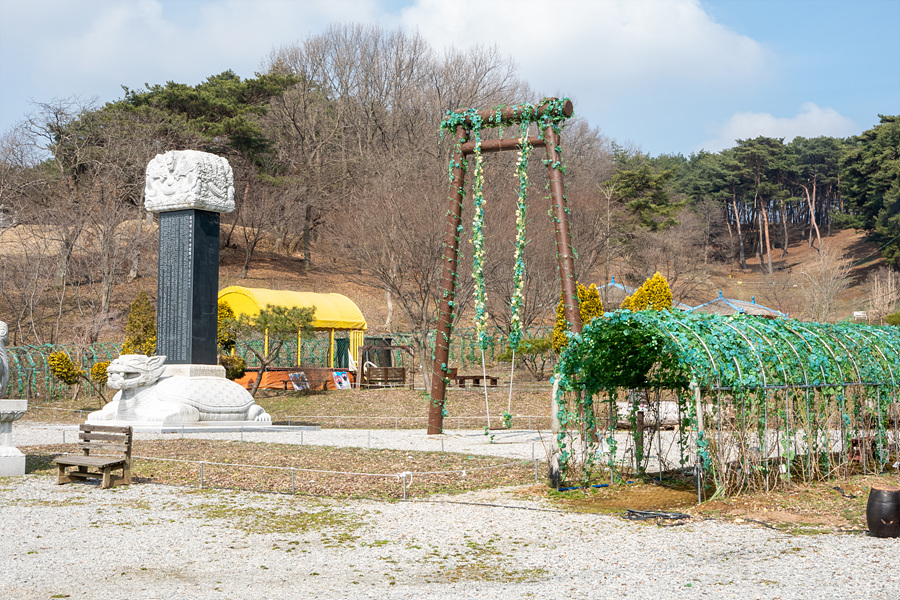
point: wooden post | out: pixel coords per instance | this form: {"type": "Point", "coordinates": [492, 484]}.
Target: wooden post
{"type": "Point", "coordinates": [559, 213]}
{"type": "Point", "coordinates": [448, 287]}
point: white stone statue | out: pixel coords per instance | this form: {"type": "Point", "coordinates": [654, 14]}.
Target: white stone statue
{"type": "Point", "coordinates": [12, 461]}
{"type": "Point", "coordinates": [152, 392]}
{"type": "Point", "coordinates": [4, 358]}
{"type": "Point", "coordinates": [186, 179]}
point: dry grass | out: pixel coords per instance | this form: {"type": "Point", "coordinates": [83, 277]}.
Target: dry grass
{"type": "Point", "coordinates": [317, 470]}
{"type": "Point", "coordinates": [800, 509]}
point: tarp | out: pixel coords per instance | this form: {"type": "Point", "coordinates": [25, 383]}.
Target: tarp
{"type": "Point", "coordinates": [333, 311]}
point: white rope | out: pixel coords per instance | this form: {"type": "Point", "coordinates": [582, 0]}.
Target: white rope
{"type": "Point", "coordinates": [487, 408]}
{"type": "Point", "coordinates": [396, 476]}
{"type": "Point", "coordinates": [512, 372]}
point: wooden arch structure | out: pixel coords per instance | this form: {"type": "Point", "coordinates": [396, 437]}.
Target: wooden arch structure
{"type": "Point", "coordinates": [546, 115]}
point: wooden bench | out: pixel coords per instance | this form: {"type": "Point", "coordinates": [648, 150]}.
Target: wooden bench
{"type": "Point", "coordinates": [105, 448]}
{"type": "Point", "coordinates": [476, 380]}
{"type": "Point", "coordinates": [385, 376]}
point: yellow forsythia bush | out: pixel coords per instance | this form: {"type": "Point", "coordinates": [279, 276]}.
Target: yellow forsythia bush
{"type": "Point", "coordinates": [98, 372]}
{"type": "Point", "coordinates": [589, 306]}
{"type": "Point", "coordinates": [62, 367]}
{"type": "Point", "coordinates": [140, 330]}
{"type": "Point", "coordinates": [654, 294]}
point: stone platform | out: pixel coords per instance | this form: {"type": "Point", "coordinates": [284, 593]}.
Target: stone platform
{"type": "Point", "coordinates": [12, 461]}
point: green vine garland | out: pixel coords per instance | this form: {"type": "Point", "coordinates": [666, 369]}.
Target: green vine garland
{"type": "Point", "coordinates": [517, 300]}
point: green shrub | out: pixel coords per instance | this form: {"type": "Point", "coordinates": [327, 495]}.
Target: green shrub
{"type": "Point", "coordinates": [235, 366]}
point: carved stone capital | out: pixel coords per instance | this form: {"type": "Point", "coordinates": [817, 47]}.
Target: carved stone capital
{"type": "Point", "coordinates": [189, 179]}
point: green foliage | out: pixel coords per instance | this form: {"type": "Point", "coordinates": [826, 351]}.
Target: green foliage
{"type": "Point", "coordinates": [235, 366]}
{"type": "Point", "coordinates": [140, 331]}
{"type": "Point", "coordinates": [589, 307]}
{"type": "Point", "coordinates": [98, 372]}
{"type": "Point", "coordinates": [221, 109]}
{"type": "Point", "coordinates": [225, 333]}
{"type": "Point", "coordinates": [278, 324]}
{"type": "Point", "coordinates": [532, 353]}
{"type": "Point", "coordinates": [735, 359]}
{"type": "Point", "coordinates": [870, 182]}
{"type": "Point", "coordinates": [893, 319]}
{"type": "Point", "coordinates": [645, 193]}
{"type": "Point", "coordinates": [62, 367]}
{"type": "Point", "coordinates": [654, 294]}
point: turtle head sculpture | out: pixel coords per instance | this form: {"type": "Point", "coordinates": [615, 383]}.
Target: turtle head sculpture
{"type": "Point", "coordinates": [134, 371]}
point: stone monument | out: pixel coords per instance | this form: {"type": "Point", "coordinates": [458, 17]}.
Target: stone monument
{"type": "Point", "coordinates": [12, 461]}
{"type": "Point", "coordinates": [183, 385]}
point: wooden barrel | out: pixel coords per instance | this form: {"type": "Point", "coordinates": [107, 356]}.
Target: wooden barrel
{"type": "Point", "coordinates": [883, 511]}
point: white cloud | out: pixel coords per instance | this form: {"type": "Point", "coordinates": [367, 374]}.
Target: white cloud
{"type": "Point", "coordinates": [812, 121]}
{"type": "Point", "coordinates": [599, 45]}
{"type": "Point", "coordinates": [92, 47]}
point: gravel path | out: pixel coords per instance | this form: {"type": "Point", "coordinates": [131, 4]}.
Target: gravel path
{"type": "Point", "coordinates": [155, 541]}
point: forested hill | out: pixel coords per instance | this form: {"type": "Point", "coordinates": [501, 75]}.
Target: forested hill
{"type": "Point", "coordinates": [339, 164]}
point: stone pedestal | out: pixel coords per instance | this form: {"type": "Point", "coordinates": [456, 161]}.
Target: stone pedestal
{"type": "Point", "coordinates": [12, 461]}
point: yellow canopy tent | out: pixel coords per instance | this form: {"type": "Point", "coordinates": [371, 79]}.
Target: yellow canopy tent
{"type": "Point", "coordinates": [334, 312]}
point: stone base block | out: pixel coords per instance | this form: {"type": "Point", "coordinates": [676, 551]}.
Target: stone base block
{"type": "Point", "coordinates": [12, 462]}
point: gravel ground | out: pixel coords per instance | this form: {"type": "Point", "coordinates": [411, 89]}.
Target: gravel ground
{"type": "Point", "coordinates": [155, 541]}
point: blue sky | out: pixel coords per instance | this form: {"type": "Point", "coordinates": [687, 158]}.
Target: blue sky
{"type": "Point", "coordinates": [668, 76]}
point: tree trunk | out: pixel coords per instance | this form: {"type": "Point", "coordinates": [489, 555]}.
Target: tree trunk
{"type": "Point", "coordinates": [737, 223]}
{"type": "Point", "coordinates": [388, 299]}
{"type": "Point", "coordinates": [306, 264]}
{"type": "Point", "coordinates": [784, 249]}
{"type": "Point", "coordinates": [248, 256]}
{"type": "Point", "coordinates": [811, 202]}
{"type": "Point", "coordinates": [765, 220]}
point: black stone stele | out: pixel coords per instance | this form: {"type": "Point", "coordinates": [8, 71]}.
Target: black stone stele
{"type": "Point", "coordinates": [186, 315]}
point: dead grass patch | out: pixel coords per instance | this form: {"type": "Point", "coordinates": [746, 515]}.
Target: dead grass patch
{"type": "Point", "coordinates": [310, 470]}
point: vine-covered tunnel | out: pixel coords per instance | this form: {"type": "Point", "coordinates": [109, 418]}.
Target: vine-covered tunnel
{"type": "Point", "coordinates": [760, 400]}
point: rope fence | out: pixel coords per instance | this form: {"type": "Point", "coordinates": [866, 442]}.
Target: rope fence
{"type": "Point", "coordinates": [531, 421]}
{"type": "Point", "coordinates": [403, 478]}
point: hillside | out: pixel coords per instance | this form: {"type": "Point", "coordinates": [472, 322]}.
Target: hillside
{"type": "Point", "coordinates": [270, 270]}
{"type": "Point", "coordinates": [277, 271]}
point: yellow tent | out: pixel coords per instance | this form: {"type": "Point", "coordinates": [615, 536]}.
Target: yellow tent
{"type": "Point", "coordinates": [334, 312]}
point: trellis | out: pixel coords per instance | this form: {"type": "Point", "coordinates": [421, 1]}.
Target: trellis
{"type": "Point", "coordinates": [761, 401]}
{"type": "Point", "coordinates": [30, 375]}
{"type": "Point", "coordinates": [466, 126]}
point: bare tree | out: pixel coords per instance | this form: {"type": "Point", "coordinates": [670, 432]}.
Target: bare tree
{"type": "Point", "coordinates": [823, 281]}
{"type": "Point", "coordinates": [386, 93]}
{"type": "Point", "coordinates": [84, 185]}
{"type": "Point", "coordinates": [678, 253]}
{"type": "Point", "coordinates": [883, 287]}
